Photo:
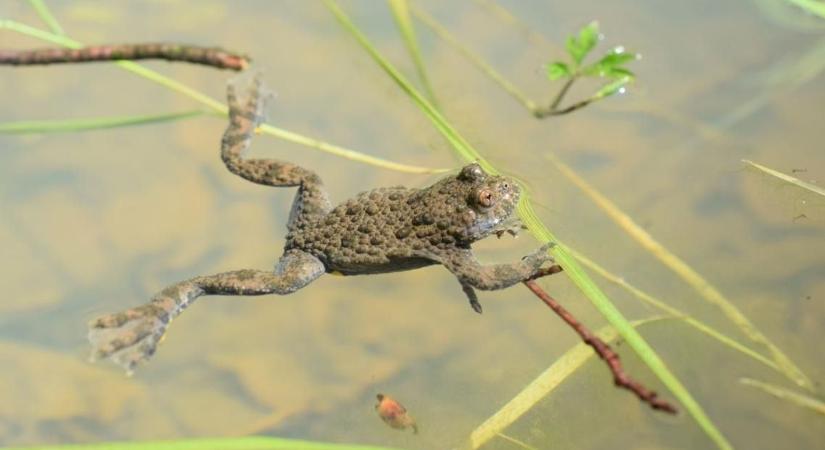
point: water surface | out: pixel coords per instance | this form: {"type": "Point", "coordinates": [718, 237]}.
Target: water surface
{"type": "Point", "coordinates": [95, 222]}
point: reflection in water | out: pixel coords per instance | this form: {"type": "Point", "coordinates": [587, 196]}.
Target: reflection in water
{"type": "Point", "coordinates": [94, 222]}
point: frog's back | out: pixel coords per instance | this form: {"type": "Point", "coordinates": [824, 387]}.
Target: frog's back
{"type": "Point", "coordinates": [371, 233]}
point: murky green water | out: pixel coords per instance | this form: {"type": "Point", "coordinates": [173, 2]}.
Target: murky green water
{"type": "Point", "coordinates": [96, 222]}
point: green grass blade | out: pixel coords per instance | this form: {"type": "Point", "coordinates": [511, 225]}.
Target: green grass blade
{"type": "Point", "coordinates": [681, 268]}
{"type": "Point", "coordinates": [476, 60]}
{"type": "Point", "coordinates": [634, 339]}
{"type": "Point", "coordinates": [98, 123]}
{"type": "Point", "coordinates": [243, 443]}
{"type": "Point", "coordinates": [46, 16]}
{"type": "Point", "coordinates": [528, 216]}
{"type": "Point", "coordinates": [811, 6]}
{"type": "Point", "coordinates": [401, 13]}
{"type": "Point", "coordinates": [796, 398]}
{"type": "Point", "coordinates": [504, 15]}
{"type": "Point", "coordinates": [787, 178]}
{"type": "Point", "coordinates": [670, 310]}
{"type": "Point", "coordinates": [542, 386]}
{"type": "Point", "coordinates": [218, 106]}
{"type": "Point", "coordinates": [515, 441]}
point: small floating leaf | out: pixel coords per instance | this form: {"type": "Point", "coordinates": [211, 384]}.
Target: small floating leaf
{"type": "Point", "coordinates": [557, 70]}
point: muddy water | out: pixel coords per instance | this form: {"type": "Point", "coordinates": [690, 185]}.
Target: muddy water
{"type": "Point", "coordinates": [97, 221]}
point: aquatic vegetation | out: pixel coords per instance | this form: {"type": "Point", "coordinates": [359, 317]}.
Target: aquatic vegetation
{"type": "Point", "coordinates": [212, 104]}
{"type": "Point", "coordinates": [609, 67]}
{"type": "Point", "coordinates": [810, 187]}
{"type": "Point", "coordinates": [95, 123]}
{"type": "Point", "coordinates": [243, 443]}
{"type": "Point", "coordinates": [542, 386]}
{"type": "Point", "coordinates": [528, 216]}
{"type": "Point", "coordinates": [799, 399]}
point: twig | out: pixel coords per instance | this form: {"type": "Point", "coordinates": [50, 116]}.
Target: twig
{"type": "Point", "coordinates": [706, 290]}
{"type": "Point", "coordinates": [209, 56]}
{"type": "Point", "coordinates": [620, 378]}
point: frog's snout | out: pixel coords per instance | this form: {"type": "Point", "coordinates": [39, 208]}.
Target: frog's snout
{"type": "Point", "coordinates": [508, 191]}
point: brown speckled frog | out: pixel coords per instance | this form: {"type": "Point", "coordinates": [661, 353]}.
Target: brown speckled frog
{"type": "Point", "coordinates": [384, 230]}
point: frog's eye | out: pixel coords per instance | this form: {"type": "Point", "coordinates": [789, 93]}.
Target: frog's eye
{"type": "Point", "coordinates": [485, 198]}
{"type": "Point", "coordinates": [472, 172]}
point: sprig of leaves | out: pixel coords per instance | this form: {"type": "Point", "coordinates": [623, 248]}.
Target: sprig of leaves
{"type": "Point", "coordinates": [611, 67]}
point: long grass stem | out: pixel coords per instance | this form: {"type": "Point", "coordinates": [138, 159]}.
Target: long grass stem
{"type": "Point", "coordinates": [476, 60]}
{"type": "Point", "coordinates": [611, 358]}
{"type": "Point", "coordinates": [529, 218]}
{"type": "Point", "coordinates": [670, 310]}
{"type": "Point", "coordinates": [705, 289]}
{"type": "Point", "coordinates": [401, 12]}
{"type": "Point", "coordinates": [46, 16]}
{"type": "Point", "coordinates": [218, 106]}
{"type": "Point", "coordinates": [98, 123]}
{"type": "Point", "coordinates": [787, 178]}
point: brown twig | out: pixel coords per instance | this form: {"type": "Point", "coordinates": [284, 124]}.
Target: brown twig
{"type": "Point", "coordinates": [620, 378]}
{"type": "Point", "coordinates": [209, 56]}
{"type": "Point", "coordinates": [545, 271]}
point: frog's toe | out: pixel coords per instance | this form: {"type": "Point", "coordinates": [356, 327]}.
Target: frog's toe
{"type": "Point", "coordinates": [540, 256]}
{"type": "Point", "coordinates": [126, 341]}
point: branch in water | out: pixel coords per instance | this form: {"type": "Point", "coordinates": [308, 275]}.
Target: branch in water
{"type": "Point", "coordinates": [209, 56]}
{"type": "Point", "coordinates": [620, 378]}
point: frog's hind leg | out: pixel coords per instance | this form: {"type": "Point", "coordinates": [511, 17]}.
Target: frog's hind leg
{"type": "Point", "coordinates": [131, 337]}
{"type": "Point", "coordinates": [244, 116]}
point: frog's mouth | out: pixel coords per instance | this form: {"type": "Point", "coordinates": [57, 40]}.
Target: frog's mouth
{"type": "Point", "coordinates": [511, 226]}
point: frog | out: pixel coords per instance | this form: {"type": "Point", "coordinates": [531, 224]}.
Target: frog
{"type": "Point", "coordinates": [379, 231]}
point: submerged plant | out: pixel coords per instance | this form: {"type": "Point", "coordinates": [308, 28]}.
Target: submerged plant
{"type": "Point", "coordinates": [609, 67]}
{"type": "Point", "coordinates": [611, 71]}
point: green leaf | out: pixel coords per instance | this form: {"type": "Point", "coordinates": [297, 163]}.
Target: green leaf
{"type": "Point", "coordinates": [617, 57]}
{"type": "Point", "coordinates": [612, 88]}
{"type": "Point", "coordinates": [557, 70]}
{"type": "Point", "coordinates": [579, 47]}
{"type": "Point", "coordinates": [619, 72]}
{"type": "Point", "coordinates": [606, 67]}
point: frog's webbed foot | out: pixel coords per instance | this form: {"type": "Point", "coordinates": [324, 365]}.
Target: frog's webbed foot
{"type": "Point", "coordinates": [131, 337]}
{"type": "Point", "coordinates": [128, 338]}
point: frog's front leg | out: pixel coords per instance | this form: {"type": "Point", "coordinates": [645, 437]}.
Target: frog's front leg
{"type": "Point", "coordinates": [471, 274]}
{"type": "Point", "coordinates": [131, 337]}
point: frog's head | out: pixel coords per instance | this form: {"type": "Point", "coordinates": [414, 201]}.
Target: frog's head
{"type": "Point", "coordinates": [490, 201]}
